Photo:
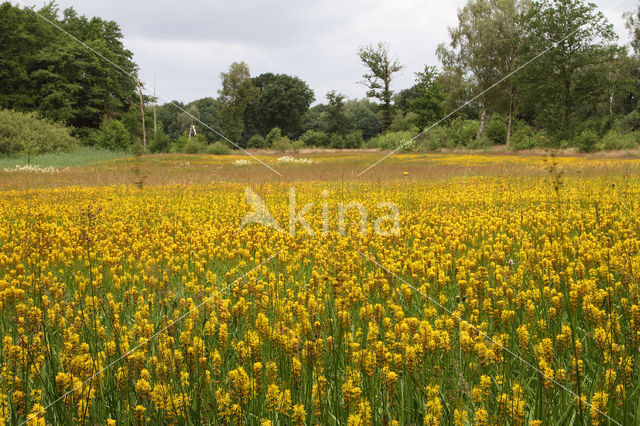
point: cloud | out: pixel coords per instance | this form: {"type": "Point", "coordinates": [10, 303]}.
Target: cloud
{"type": "Point", "coordinates": [186, 44]}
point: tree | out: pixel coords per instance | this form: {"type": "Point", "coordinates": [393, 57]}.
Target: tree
{"type": "Point", "coordinates": [28, 135]}
{"type": "Point", "coordinates": [282, 102]}
{"type": "Point", "coordinates": [427, 102]}
{"type": "Point", "coordinates": [363, 116]}
{"type": "Point", "coordinates": [381, 66]}
{"type": "Point", "coordinates": [236, 93]}
{"type": "Point", "coordinates": [632, 22]}
{"type": "Point", "coordinates": [49, 73]}
{"type": "Point", "coordinates": [337, 121]}
{"type": "Point", "coordinates": [573, 72]}
{"type": "Point", "coordinates": [486, 46]}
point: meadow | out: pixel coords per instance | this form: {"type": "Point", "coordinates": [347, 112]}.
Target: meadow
{"type": "Point", "coordinates": [130, 292]}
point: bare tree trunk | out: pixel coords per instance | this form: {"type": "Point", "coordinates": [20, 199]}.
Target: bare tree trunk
{"type": "Point", "coordinates": [482, 119]}
{"type": "Point", "coordinates": [512, 101]}
{"type": "Point", "coordinates": [611, 103]}
{"type": "Point", "coordinates": [144, 130]}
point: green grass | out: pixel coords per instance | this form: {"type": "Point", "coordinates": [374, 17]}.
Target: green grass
{"type": "Point", "coordinates": [79, 157]}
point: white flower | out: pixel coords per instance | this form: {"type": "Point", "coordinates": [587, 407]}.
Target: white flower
{"type": "Point", "coordinates": [33, 168]}
{"type": "Point", "coordinates": [291, 160]}
{"type": "Point", "coordinates": [242, 163]}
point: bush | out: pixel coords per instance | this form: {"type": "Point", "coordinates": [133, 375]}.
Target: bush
{"type": "Point", "coordinates": [297, 145]}
{"type": "Point", "coordinates": [113, 135]}
{"type": "Point", "coordinates": [194, 146]}
{"type": "Point", "coordinates": [273, 136]}
{"type": "Point", "coordinates": [496, 129]}
{"type": "Point", "coordinates": [587, 141]}
{"type": "Point", "coordinates": [336, 141]}
{"type": "Point", "coordinates": [630, 122]}
{"type": "Point", "coordinates": [353, 140]}
{"type": "Point", "coordinates": [615, 140]}
{"type": "Point", "coordinates": [218, 148]}
{"type": "Point", "coordinates": [314, 138]}
{"type": "Point", "coordinates": [281, 145]}
{"type": "Point", "coordinates": [159, 142]}
{"type": "Point", "coordinates": [526, 138]}
{"type": "Point", "coordinates": [28, 135]}
{"type": "Point", "coordinates": [434, 139]}
{"type": "Point", "coordinates": [483, 142]}
{"type": "Point", "coordinates": [256, 141]}
{"type": "Point", "coordinates": [402, 123]}
{"type": "Point", "coordinates": [394, 140]}
{"type": "Point", "coordinates": [463, 132]}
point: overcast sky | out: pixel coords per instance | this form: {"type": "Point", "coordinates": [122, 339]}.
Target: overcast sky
{"type": "Point", "coordinates": [188, 43]}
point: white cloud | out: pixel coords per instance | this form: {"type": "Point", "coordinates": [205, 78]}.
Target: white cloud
{"type": "Point", "coordinates": [187, 44]}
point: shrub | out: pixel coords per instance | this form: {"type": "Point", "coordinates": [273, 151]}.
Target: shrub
{"type": "Point", "coordinates": [218, 148]}
{"type": "Point", "coordinates": [28, 135]}
{"type": "Point", "coordinates": [113, 135]}
{"type": "Point", "coordinates": [159, 142]}
{"type": "Point", "coordinates": [194, 146]}
{"type": "Point", "coordinates": [273, 136]}
{"type": "Point", "coordinates": [402, 123]}
{"type": "Point", "coordinates": [353, 140]}
{"type": "Point", "coordinates": [281, 145]}
{"type": "Point", "coordinates": [587, 141]}
{"type": "Point", "coordinates": [314, 138]}
{"type": "Point", "coordinates": [434, 139]}
{"type": "Point", "coordinates": [256, 141]}
{"type": "Point", "coordinates": [526, 138]}
{"type": "Point", "coordinates": [463, 132]}
{"type": "Point", "coordinates": [496, 129]}
{"type": "Point", "coordinates": [297, 145]}
{"type": "Point", "coordinates": [483, 142]}
{"type": "Point", "coordinates": [615, 140]}
{"type": "Point", "coordinates": [630, 122]}
{"type": "Point", "coordinates": [336, 141]}
{"type": "Point", "coordinates": [394, 140]}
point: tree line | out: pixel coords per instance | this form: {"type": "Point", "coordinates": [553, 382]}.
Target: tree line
{"type": "Point", "coordinates": [526, 73]}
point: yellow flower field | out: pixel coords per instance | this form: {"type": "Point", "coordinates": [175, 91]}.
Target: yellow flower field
{"type": "Point", "coordinates": [501, 300]}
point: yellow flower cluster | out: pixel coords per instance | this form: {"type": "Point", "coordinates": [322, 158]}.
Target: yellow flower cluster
{"type": "Point", "coordinates": [128, 306]}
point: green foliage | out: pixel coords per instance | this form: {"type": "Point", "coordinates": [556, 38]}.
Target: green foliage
{"type": "Point", "coordinates": [426, 104]}
{"type": "Point", "coordinates": [42, 70]}
{"type": "Point", "coordinates": [363, 116]}
{"type": "Point", "coordinates": [393, 140]}
{"type": "Point", "coordinates": [273, 136]}
{"type": "Point", "coordinates": [256, 141]}
{"type": "Point", "coordinates": [193, 146]}
{"type": "Point", "coordinates": [81, 156]}
{"type": "Point", "coordinates": [336, 141]}
{"type": "Point", "coordinates": [297, 145]}
{"type": "Point", "coordinates": [336, 119]}
{"type": "Point", "coordinates": [580, 66]}
{"type": "Point", "coordinates": [587, 140]}
{"type": "Point", "coordinates": [402, 123]}
{"type": "Point", "coordinates": [434, 139]}
{"type": "Point", "coordinates": [483, 142]}
{"type": "Point", "coordinates": [282, 144]}
{"type": "Point", "coordinates": [113, 135]}
{"type": "Point", "coordinates": [353, 140]}
{"type": "Point", "coordinates": [196, 144]}
{"type": "Point", "coordinates": [496, 129]}
{"type": "Point", "coordinates": [463, 132]}
{"type": "Point", "coordinates": [218, 148]}
{"type": "Point", "coordinates": [28, 135]}
{"type": "Point", "coordinates": [525, 138]}
{"type": "Point", "coordinates": [236, 93]}
{"type": "Point", "coordinates": [282, 102]}
{"type": "Point", "coordinates": [615, 140]}
{"type": "Point", "coordinates": [313, 138]}
{"type": "Point", "coordinates": [630, 122]}
{"type": "Point", "coordinates": [381, 67]}
{"type": "Point", "coordinates": [159, 142]}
